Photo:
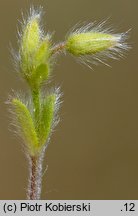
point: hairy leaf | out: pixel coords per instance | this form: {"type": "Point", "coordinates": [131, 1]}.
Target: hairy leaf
{"type": "Point", "coordinates": [46, 118]}
{"type": "Point", "coordinates": [26, 126]}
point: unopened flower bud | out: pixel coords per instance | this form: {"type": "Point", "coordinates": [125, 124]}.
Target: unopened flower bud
{"type": "Point", "coordinates": [34, 52]}
{"type": "Point", "coordinates": [96, 42]}
{"type": "Point", "coordinates": [90, 43]}
{"type": "Point", "coordinates": [30, 37]}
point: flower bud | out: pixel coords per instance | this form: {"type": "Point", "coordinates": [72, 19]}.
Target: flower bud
{"type": "Point", "coordinates": [93, 43]}
{"type": "Point", "coordinates": [90, 43]}
{"type": "Point", "coordinates": [34, 52]}
{"type": "Point", "coordinates": [30, 37]}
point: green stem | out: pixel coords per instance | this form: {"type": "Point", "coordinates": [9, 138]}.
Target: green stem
{"type": "Point", "coordinates": [34, 172]}
{"type": "Point", "coordinates": [36, 102]}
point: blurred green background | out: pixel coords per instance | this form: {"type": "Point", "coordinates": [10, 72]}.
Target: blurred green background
{"type": "Point", "coordinates": [93, 153]}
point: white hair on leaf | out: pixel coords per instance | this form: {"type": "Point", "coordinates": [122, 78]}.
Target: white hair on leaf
{"type": "Point", "coordinates": [58, 102]}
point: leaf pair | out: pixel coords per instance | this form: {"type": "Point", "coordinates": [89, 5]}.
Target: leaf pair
{"type": "Point", "coordinates": [34, 132]}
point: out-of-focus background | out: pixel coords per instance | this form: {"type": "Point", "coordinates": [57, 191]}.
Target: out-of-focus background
{"type": "Point", "coordinates": [93, 153]}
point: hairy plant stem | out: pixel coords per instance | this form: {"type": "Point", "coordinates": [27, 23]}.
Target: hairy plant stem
{"type": "Point", "coordinates": [58, 48]}
{"type": "Point", "coordinates": [33, 182]}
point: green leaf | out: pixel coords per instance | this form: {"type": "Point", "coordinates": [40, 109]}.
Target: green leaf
{"type": "Point", "coordinates": [39, 75]}
{"type": "Point", "coordinates": [26, 126]}
{"type": "Point", "coordinates": [43, 52]}
{"type": "Point", "coordinates": [46, 118]}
